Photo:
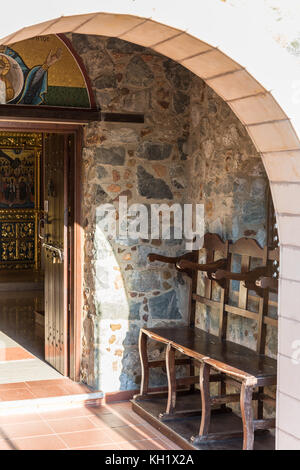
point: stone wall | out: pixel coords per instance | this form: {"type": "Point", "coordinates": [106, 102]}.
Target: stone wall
{"type": "Point", "coordinates": [146, 163]}
{"type": "Point", "coordinates": [191, 149]}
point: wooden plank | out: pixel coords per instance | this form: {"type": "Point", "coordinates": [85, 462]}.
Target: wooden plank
{"type": "Point", "coordinates": [271, 321]}
{"type": "Point", "coordinates": [64, 114]}
{"type": "Point", "coordinates": [241, 312]}
{"type": "Point", "coordinates": [205, 301]}
{"type": "Point", "coordinates": [234, 310]}
{"type": "Point", "coordinates": [187, 380]}
{"type": "Point", "coordinates": [231, 398]}
{"type": "Point", "coordinates": [223, 317]}
{"type": "Point", "coordinates": [264, 423]}
{"type": "Point", "coordinates": [243, 291]}
{"type": "Point", "coordinates": [262, 311]}
{"type": "Point", "coordinates": [178, 362]}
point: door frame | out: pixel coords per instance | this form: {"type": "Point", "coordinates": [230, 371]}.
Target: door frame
{"type": "Point", "coordinates": [76, 236]}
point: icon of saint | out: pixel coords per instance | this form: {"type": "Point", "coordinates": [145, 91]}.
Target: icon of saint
{"type": "Point", "coordinates": [18, 83]}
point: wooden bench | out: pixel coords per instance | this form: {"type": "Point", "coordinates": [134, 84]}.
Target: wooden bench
{"type": "Point", "coordinates": [221, 360]}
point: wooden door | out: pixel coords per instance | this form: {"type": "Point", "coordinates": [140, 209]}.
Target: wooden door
{"type": "Point", "coordinates": [55, 250]}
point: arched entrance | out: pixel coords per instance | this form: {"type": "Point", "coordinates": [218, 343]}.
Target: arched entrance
{"type": "Point", "coordinates": [273, 136]}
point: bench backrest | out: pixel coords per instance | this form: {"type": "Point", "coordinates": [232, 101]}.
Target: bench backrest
{"type": "Point", "coordinates": [247, 253]}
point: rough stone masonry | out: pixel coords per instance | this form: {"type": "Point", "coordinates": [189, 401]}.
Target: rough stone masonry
{"type": "Point", "coordinates": [191, 149]}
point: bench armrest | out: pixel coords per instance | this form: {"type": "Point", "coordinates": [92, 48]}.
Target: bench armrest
{"type": "Point", "coordinates": [267, 283]}
{"type": "Point", "coordinates": [164, 259]}
{"type": "Point", "coordinates": [208, 267]}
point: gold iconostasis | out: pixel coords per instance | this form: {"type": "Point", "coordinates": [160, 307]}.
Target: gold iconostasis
{"type": "Point", "coordinates": [20, 205]}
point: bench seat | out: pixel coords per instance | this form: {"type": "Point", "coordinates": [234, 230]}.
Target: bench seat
{"type": "Point", "coordinates": [238, 361]}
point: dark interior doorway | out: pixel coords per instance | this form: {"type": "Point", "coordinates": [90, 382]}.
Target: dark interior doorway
{"type": "Point", "coordinates": [37, 242]}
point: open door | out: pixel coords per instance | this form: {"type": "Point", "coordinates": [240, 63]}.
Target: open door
{"type": "Point", "coordinates": [55, 246]}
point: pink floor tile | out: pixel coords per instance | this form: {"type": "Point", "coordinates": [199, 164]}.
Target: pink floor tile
{"type": "Point", "coordinates": [99, 447]}
{"type": "Point", "coordinates": [6, 444]}
{"type": "Point", "coordinates": [46, 383]}
{"type": "Point", "coordinates": [13, 386]}
{"type": "Point", "coordinates": [19, 418]}
{"type": "Point", "coordinates": [67, 413]}
{"type": "Point", "coordinates": [16, 394]}
{"type": "Point", "coordinates": [40, 443]}
{"type": "Point", "coordinates": [14, 430]}
{"type": "Point", "coordinates": [109, 420]}
{"type": "Point", "coordinates": [112, 427]}
{"type": "Point", "coordinates": [14, 354]}
{"type": "Point", "coordinates": [82, 423]}
{"type": "Point", "coordinates": [146, 444]}
{"type": "Point", "coordinates": [85, 438]}
{"type": "Point", "coordinates": [130, 433]}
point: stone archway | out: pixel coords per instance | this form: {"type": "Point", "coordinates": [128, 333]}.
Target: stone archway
{"type": "Point", "coordinates": [274, 137]}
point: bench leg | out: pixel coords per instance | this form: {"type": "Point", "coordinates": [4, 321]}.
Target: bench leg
{"type": "Point", "coordinates": [260, 404]}
{"type": "Point", "coordinates": [247, 416]}
{"type": "Point", "coordinates": [206, 404]}
{"type": "Point", "coordinates": [171, 374]}
{"type": "Point", "coordinates": [144, 365]}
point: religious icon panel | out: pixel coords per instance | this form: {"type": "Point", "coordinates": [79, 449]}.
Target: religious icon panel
{"type": "Point", "coordinates": [19, 200]}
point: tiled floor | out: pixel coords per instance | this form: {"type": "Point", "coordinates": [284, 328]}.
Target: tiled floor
{"type": "Point", "coordinates": [26, 380]}
{"type": "Point", "coordinates": [17, 321]}
{"type": "Point", "coordinates": [109, 427]}
{"type": "Point", "coordinates": [22, 339]}
{"type": "Point", "coordinates": [32, 390]}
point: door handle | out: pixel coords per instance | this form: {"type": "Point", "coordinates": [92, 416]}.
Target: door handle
{"type": "Point", "coordinates": [41, 221]}
{"type": "Point", "coordinates": [55, 251]}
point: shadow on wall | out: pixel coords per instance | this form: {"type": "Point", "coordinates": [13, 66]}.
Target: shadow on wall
{"type": "Point", "coordinates": [128, 300]}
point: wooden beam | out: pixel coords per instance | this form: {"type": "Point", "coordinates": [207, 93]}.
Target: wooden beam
{"type": "Point", "coordinates": [19, 113]}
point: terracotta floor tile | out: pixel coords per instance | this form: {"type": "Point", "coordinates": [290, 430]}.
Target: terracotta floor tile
{"type": "Point", "coordinates": [109, 420]}
{"type": "Point", "coordinates": [47, 383]}
{"type": "Point", "coordinates": [146, 444]}
{"type": "Point", "coordinates": [81, 423]}
{"type": "Point", "coordinates": [101, 410]}
{"type": "Point", "coordinates": [50, 391]}
{"type": "Point", "coordinates": [125, 405]}
{"type": "Point", "coordinates": [131, 417]}
{"type": "Point", "coordinates": [19, 418]}
{"type": "Point", "coordinates": [99, 447]}
{"type": "Point", "coordinates": [40, 443]}
{"type": "Point", "coordinates": [6, 444]}
{"type": "Point", "coordinates": [38, 428]}
{"type": "Point", "coordinates": [74, 388]}
{"type": "Point", "coordinates": [16, 394]}
{"type": "Point", "coordinates": [14, 354]}
{"type": "Point", "coordinates": [66, 413]}
{"type": "Point", "coordinates": [85, 438]}
{"type": "Point", "coordinates": [13, 386]}
{"type": "Point", "coordinates": [130, 433]}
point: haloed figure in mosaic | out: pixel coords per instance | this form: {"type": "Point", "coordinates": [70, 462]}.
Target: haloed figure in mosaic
{"type": "Point", "coordinates": [18, 83]}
